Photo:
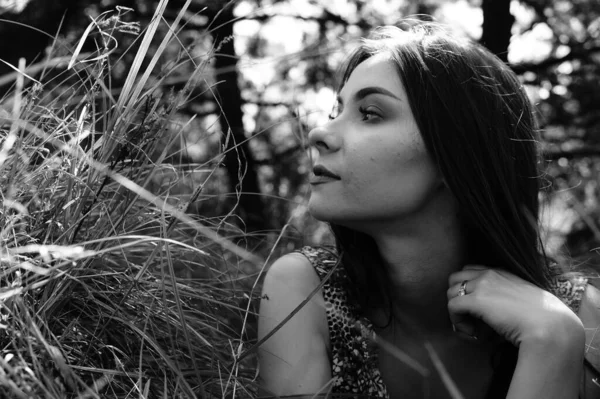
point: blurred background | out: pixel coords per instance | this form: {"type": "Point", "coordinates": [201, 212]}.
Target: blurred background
{"type": "Point", "coordinates": [272, 78]}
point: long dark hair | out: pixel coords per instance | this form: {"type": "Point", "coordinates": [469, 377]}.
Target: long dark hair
{"type": "Point", "coordinates": [478, 126]}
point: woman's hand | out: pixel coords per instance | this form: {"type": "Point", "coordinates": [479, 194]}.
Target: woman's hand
{"type": "Point", "coordinates": [515, 309]}
{"type": "Point", "coordinates": [550, 337]}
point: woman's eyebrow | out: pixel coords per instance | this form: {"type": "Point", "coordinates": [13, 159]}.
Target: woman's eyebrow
{"type": "Point", "coordinates": [366, 91]}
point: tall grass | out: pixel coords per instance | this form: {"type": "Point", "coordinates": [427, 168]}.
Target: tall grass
{"type": "Point", "coordinates": [109, 288]}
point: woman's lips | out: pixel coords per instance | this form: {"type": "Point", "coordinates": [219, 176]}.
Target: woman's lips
{"type": "Point", "coordinates": [322, 171]}
{"type": "Point", "coordinates": [322, 175]}
{"type": "Point", "coordinates": [314, 180]}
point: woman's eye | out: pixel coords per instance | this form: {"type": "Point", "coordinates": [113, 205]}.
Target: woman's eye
{"type": "Point", "coordinates": [368, 114]}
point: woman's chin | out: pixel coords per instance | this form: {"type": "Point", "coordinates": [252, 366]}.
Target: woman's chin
{"type": "Point", "coordinates": [319, 212]}
{"type": "Point", "coordinates": [320, 216]}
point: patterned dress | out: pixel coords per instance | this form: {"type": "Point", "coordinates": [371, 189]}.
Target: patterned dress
{"type": "Point", "coordinates": [353, 355]}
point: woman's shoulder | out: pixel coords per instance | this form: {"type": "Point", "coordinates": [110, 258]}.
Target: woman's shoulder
{"type": "Point", "coordinates": [301, 270]}
{"type": "Point", "coordinates": [291, 311]}
{"type": "Point", "coordinates": [581, 294]}
{"type": "Point", "coordinates": [293, 267]}
{"type": "Point", "coordinates": [305, 269]}
{"type": "Point", "coordinates": [289, 288]}
{"type": "Point", "coordinates": [589, 313]}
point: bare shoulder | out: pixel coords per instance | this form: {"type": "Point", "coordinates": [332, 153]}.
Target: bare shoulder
{"type": "Point", "coordinates": [293, 267]}
{"type": "Point", "coordinates": [589, 313]}
{"type": "Point", "coordinates": [288, 283]}
{"type": "Point", "coordinates": [293, 359]}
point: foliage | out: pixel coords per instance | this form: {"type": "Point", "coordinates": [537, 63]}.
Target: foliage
{"type": "Point", "coordinates": [109, 286]}
{"type": "Point", "coordinates": [563, 82]}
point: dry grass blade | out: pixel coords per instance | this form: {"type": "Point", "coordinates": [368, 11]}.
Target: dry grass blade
{"type": "Point", "coordinates": [181, 315]}
{"type": "Point", "coordinates": [403, 357]}
{"type": "Point", "coordinates": [79, 47]}
{"type": "Point", "coordinates": [161, 48]}
{"type": "Point", "coordinates": [139, 58]}
{"type": "Point", "coordinates": [11, 139]}
{"type": "Point", "coordinates": [110, 286]}
{"type": "Point", "coordinates": [445, 376]}
{"type": "Point", "coordinates": [123, 181]}
{"type": "Point", "coordinates": [19, 72]}
{"type": "Point", "coordinates": [97, 386]}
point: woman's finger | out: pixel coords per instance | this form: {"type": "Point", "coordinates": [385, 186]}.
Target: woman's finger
{"type": "Point", "coordinates": [466, 328]}
{"type": "Point", "coordinates": [472, 328]}
{"type": "Point", "coordinates": [462, 311]}
{"type": "Point", "coordinates": [459, 277]}
{"type": "Point", "coordinates": [462, 315]}
{"type": "Point", "coordinates": [462, 322]}
{"type": "Point", "coordinates": [464, 304]}
{"type": "Point", "coordinates": [465, 286]}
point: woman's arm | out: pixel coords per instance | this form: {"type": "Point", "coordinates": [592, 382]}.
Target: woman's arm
{"type": "Point", "coordinates": [294, 360]}
{"type": "Point", "coordinates": [589, 313]}
{"type": "Point", "coordinates": [549, 366]}
{"type": "Point", "coordinates": [550, 337]}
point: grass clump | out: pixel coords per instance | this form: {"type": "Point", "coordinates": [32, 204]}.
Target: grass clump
{"type": "Point", "coordinates": [108, 287]}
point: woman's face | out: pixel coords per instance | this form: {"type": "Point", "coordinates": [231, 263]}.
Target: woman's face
{"type": "Point", "coordinates": [374, 147]}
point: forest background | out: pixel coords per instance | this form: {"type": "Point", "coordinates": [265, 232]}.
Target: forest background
{"type": "Point", "coordinates": [154, 162]}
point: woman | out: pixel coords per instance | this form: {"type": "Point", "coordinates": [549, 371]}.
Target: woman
{"type": "Point", "coordinates": [427, 173]}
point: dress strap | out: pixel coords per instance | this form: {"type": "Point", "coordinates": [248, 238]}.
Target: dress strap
{"type": "Point", "coordinates": [570, 289]}
{"type": "Point", "coordinates": [322, 259]}
{"type": "Point", "coordinates": [353, 356]}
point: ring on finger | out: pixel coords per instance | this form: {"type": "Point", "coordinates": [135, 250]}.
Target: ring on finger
{"type": "Point", "coordinates": [463, 288]}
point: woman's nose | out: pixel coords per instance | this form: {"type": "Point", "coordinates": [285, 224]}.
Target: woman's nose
{"type": "Point", "coordinates": [323, 139]}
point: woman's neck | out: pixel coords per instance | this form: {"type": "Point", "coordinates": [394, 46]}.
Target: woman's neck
{"type": "Point", "coordinates": [419, 264]}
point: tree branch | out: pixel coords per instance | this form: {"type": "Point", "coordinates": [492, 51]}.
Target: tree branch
{"type": "Point", "coordinates": [327, 16]}
{"type": "Point", "coordinates": [574, 54]}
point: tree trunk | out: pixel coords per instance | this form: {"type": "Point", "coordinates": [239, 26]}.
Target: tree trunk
{"type": "Point", "coordinates": [497, 25]}
{"type": "Point", "coordinates": [239, 160]}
